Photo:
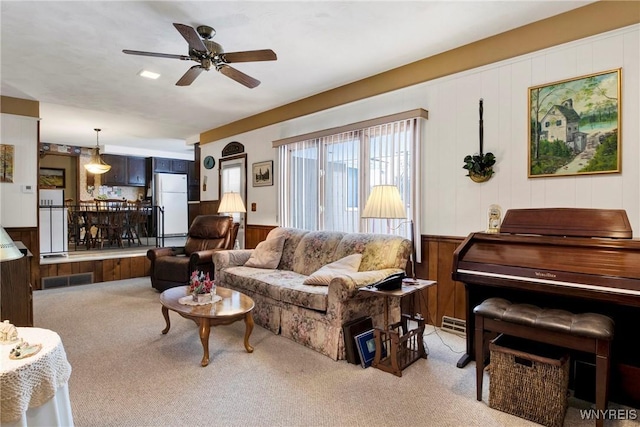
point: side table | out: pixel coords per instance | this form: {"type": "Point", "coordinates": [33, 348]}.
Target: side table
{"type": "Point", "coordinates": [396, 346]}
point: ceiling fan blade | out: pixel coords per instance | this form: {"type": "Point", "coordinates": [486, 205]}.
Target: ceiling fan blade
{"type": "Point", "coordinates": [192, 37]}
{"type": "Point", "coordinates": [249, 56]}
{"type": "Point", "coordinates": [189, 76]}
{"type": "Point", "coordinates": [159, 55]}
{"type": "Point", "coordinates": [239, 76]}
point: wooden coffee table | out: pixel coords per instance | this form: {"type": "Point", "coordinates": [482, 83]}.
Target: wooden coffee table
{"type": "Point", "coordinates": [233, 307]}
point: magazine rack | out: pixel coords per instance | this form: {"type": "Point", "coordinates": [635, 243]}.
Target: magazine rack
{"type": "Point", "coordinates": [403, 346]}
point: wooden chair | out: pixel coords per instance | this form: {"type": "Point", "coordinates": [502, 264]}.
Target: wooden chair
{"type": "Point", "coordinates": [136, 220]}
{"type": "Point", "coordinates": [111, 221]}
{"type": "Point", "coordinates": [88, 230]}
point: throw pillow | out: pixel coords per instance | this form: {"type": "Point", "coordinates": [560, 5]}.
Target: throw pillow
{"type": "Point", "coordinates": [324, 274]}
{"type": "Point", "coordinates": [267, 254]}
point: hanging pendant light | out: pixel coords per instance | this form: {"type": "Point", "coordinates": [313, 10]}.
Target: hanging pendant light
{"type": "Point", "coordinates": [97, 166]}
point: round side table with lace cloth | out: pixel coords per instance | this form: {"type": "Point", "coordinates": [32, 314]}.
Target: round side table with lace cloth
{"type": "Point", "coordinates": [34, 390]}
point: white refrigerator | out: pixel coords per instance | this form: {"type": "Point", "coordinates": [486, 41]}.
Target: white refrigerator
{"type": "Point", "coordinates": [53, 223]}
{"type": "Point", "coordinates": [170, 193]}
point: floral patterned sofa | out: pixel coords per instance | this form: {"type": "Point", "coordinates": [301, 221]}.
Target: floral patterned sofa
{"type": "Point", "coordinates": [313, 315]}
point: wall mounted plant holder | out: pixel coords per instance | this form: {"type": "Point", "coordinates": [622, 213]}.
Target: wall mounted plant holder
{"type": "Point", "coordinates": [480, 166]}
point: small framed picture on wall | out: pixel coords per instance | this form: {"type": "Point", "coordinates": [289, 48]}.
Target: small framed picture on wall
{"type": "Point", "coordinates": [51, 178]}
{"type": "Point", "coordinates": [262, 173]}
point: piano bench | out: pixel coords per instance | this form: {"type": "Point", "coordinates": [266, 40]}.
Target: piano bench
{"type": "Point", "coordinates": [587, 332]}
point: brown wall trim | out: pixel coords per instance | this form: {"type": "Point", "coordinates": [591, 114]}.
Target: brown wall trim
{"type": "Point", "coordinates": [19, 107]}
{"type": "Point", "coordinates": [569, 26]}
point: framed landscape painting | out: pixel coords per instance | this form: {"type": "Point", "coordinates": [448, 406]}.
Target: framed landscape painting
{"type": "Point", "coordinates": [7, 153]}
{"type": "Point", "coordinates": [574, 126]}
{"type": "Point", "coordinates": [51, 178]}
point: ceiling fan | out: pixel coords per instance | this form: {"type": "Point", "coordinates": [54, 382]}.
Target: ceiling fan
{"type": "Point", "coordinates": [210, 54]}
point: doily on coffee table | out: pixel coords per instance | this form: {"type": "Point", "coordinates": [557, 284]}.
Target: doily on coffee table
{"type": "Point", "coordinates": [188, 300]}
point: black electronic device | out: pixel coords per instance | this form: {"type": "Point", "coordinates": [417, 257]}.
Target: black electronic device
{"type": "Point", "coordinates": [390, 283]}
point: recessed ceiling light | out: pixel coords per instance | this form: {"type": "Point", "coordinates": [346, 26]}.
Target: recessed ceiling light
{"type": "Point", "coordinates": [148, 74]}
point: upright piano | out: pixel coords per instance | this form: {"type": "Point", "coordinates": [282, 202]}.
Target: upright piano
{"type": "Point", "coordinates": [581, 260]}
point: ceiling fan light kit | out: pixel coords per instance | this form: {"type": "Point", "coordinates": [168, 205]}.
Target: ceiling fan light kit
{"type": "Point", "coordinates": [96, 165]}
{"type": "Point", "coordinates": [211, 54]}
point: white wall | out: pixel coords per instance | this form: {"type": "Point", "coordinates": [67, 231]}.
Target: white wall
{"type": "Point", "coordinates": [452, 204]}
{"type": "Point", "coordinates": [17, 208]}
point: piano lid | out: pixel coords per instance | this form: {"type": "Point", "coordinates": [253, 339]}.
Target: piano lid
{"type": "Point", "coordinates": [594, 267]}
{"type": "Point", "coordinates": [576, 222]}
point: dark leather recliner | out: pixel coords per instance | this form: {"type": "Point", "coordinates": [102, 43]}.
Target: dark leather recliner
{"type": "Point", "coordinates": [172, 266]}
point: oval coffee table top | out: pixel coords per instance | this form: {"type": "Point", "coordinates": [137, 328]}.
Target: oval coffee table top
{"type": "Point", "coordinates": [233, 303]}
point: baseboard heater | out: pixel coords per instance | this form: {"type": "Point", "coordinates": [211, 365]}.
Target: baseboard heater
{"type": "Point", "coordinates": [453, 325]}
{"type": "Point", "coordinates": [70, 280]}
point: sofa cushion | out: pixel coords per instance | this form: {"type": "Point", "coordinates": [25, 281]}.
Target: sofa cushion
{"type": "Point", "coordinates": [293, 237]}
{"type": "Point", "coordinates": [379, 251]}
{"type": "Point", "coordinates": [316, 248]}
{"type": "Point", "coordinates": [280, 285]}
{"type": "Point", "coordinates": [346, 265]}
{"type": "Point", "coordinates": [267, 254]}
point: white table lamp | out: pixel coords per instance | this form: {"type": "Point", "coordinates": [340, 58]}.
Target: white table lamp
{"type": "Point", "coordinates": [232, 203]}
{"type": "Point", "coordinates": [385, 202]}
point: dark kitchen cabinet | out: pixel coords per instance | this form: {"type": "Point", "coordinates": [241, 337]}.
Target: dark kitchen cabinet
{"type": "Point", "coordinates": [125, 171]}
{"type": "Point", "coordinates": [179, 166]}
{"type": "Point", "coordinates": [136, 171]}
{"type": "Point", "coordinates": [163, 165]}
{"type": "Point", "coordinates": [193, 179]}
{"type": "Point", "coordinates": [117, 175]}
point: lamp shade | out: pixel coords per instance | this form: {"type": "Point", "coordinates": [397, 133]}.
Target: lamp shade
{"type": "Point", "coordinates": [384, 202]}
{"type": "Point", "coordinates": [231, 203]}
{"type": "Point", "coordinates": [8, 250]}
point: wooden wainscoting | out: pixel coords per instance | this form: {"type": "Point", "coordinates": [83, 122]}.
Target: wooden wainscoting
{"type": "Point", "coordinates": [255, 234]}
{"type": "Point", "coordinates": [448, 297]}
{"type": "Point", "coordinates": [104, 270]}
{"type": "Point", "coordinates": [209, 207]}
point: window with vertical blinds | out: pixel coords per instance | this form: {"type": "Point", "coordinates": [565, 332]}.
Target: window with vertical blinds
{"type": "Point", "coordinates": [326, 177]}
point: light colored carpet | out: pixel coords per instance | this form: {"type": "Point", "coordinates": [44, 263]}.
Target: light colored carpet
{"type": "Point", "coordinates": [126, 373]}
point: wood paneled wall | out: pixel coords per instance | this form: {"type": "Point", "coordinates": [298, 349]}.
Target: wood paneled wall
{"type": "Point", "coordinates": [255, 234]}
{"type": "Point", "coordinates": [448, 296]}
{"type": "Point", "coordinates": [209, 207]}
{"type": "Point", "coordinates": [103, 270]}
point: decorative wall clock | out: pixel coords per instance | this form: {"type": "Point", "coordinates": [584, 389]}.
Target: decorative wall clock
{"type": "Point", "coordinates": [209, 162]}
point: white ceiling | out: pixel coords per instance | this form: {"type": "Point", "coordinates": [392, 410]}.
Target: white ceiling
{"type": "Point", "coordinates": [68, 55]}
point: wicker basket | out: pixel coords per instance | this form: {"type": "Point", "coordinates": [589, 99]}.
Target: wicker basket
{"type": "Point", "coordinates": [529, 380]}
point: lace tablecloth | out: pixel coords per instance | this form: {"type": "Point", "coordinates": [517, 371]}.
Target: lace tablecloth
{"type": "Point", "coordinates": [31, 382]}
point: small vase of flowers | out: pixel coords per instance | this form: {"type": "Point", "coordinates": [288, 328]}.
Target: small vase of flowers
{"type": "Point", "coordinates": [201, 287]}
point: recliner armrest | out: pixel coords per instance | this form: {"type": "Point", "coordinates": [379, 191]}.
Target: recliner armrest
{"type": "Point", "coordinates": [155, 253]}
{"type": "Point", "coordinates": [202, 257]}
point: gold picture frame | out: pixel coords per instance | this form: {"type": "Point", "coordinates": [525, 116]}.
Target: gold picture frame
{"type": "Point", "coordinates": [574, 126]}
